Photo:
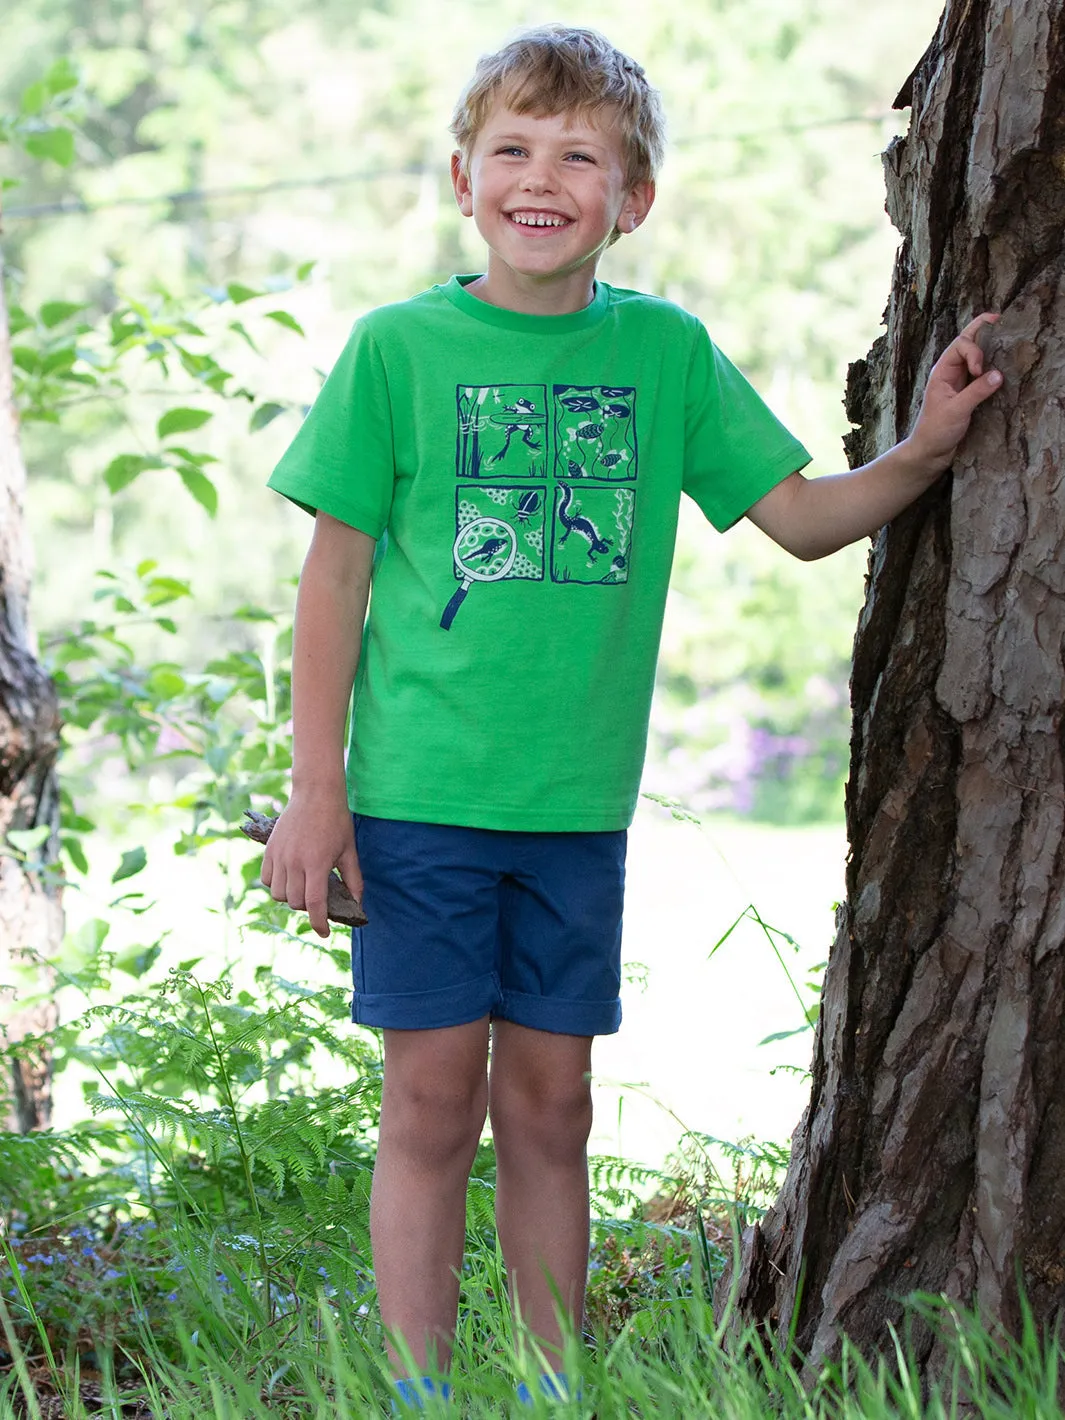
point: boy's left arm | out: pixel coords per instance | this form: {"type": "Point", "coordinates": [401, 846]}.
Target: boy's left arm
{"type": "Point", "coordinates": [813, 517]}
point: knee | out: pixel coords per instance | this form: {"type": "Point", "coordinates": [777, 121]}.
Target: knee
{"type": "Point", "coordinates": [435, 1120]}
{"type": "Point", "coordinates": [552, 1116]}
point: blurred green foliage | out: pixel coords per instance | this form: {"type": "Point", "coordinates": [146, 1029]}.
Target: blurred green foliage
{"type": "Point", "coordinates": [219, 148]}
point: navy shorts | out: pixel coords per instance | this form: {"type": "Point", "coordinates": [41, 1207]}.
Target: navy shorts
{"type": "Point", "coordinates": [472, 922]}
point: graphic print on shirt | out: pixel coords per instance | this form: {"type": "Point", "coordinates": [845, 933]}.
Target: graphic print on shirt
{"type": "Point", "coordinates": [592, 533]}
{"type": "Point", "coordinates": [595, 431]}
{"type": "Point", "coordinates": [499, 537]}
{"type": "Point", "coordinates": [502, 431]}
{"type": "Point", "coordinates": [578, 521]}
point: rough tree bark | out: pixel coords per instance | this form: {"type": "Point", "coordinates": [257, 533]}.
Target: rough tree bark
{"type": "Point", "coordinates": [932, 1154]}
{"type": "Point", "coordinates": [30, 916]}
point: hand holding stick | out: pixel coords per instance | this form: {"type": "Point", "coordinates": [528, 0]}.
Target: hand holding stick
{"type": "Point", "coordinates": [341, 907]}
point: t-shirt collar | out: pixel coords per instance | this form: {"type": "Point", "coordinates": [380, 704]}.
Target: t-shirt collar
{"type": "Point", "coordinates": [502, 319]}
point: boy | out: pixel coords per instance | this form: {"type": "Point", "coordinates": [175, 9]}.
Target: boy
{"type": "Point", "coordinates": [515, 445]}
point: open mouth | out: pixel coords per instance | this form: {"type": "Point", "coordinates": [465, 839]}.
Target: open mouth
{"type": "Point", "coordinates": [539, 221]}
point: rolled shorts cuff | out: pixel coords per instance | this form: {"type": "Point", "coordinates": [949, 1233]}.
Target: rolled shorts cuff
{"type": "Point", "coordinates": [560, 1017]}
{"type": "Point", "coordinates": [427, 1010]}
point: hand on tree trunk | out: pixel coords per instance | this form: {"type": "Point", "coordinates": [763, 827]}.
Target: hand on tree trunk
{"type": "Point", "coordinates": [957, 385]}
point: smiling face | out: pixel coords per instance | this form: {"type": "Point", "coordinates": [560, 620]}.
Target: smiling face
{"type": "Point", "coordinates": [547, 195]}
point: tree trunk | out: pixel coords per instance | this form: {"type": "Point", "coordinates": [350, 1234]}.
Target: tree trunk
{"type": "Point", "coordinates": [932, 1154]}
{"type": "Point", "coordinates": [31, 921]}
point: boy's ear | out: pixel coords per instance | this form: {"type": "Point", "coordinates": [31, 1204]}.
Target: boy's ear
{"type": "Point", "coordinates": [460, 181]}
{"type": "Point", "coordinates": [637, 205]}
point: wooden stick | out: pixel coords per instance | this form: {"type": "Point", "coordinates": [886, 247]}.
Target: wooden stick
{"type": "Point", "coordinates": [340, 906]}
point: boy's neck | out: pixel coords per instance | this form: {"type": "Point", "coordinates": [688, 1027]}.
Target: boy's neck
{"type": "Point", "coordinates": [559, 295]}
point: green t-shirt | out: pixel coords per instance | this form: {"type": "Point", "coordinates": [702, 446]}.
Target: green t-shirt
{"type": "Point", "coordinates": [523, 474]}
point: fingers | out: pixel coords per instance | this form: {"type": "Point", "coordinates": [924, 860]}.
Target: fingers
{"type": "Point", "coordinates": [967, 345]}
{"type": "Point", "coordinates": [304, 846]}
{"type": "Point", "coordinates": [348, 865]}
{"type": "Point", "coordinates": [984, 318]}
{"type": "Point", "coordinates": [316, 907]}
{"type": "Point", "coordinates": [965, 354]}
{"type": "Point", "coordinates": [971, 353]}
{"type": "Point", "coordinates": [979, 390]}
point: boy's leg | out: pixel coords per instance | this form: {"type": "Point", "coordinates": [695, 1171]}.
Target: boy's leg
{"type": "Point", "coordinates": [432, 1113]}
{"type": "Point", "coordinates": [540, 1105]}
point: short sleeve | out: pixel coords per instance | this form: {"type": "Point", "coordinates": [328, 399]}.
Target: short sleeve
{"type": "Point", "coordinates": [736, 449]}
{"type": "Point", "coordinates": [341, 461]}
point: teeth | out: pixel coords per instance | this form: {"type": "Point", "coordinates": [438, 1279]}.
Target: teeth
{"type": "Point", "coordinates": [537, 219]}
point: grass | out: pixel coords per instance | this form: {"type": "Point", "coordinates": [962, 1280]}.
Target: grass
{"type": "Point", "coordinates": [207, 1255]}
{"type": "Point", "coordinates": [214, 1344]}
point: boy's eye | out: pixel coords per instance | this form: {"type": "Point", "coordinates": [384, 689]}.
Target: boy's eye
{"type": "Point", "coordinates": [511, 150]}
{"type": "Point", "coordinates": [582, 157]}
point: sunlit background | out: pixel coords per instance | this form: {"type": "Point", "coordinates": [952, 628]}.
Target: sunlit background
{"type": "Point", "coordinates": [239, 142]}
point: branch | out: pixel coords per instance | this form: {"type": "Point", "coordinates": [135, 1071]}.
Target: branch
{"type": "Point", "coordinates": [340, 906]}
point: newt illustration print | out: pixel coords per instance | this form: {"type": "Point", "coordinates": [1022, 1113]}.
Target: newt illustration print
{"type": "Point", "coordinates": [592, 534]}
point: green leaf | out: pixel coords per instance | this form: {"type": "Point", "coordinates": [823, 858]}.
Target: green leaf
{"type": "Point", "coordinates": [218, 757]}
{"type": "Point", "coordinates": [165, 683]}
{"type": "Point", "coordinates": [180, 421]}
{"type": "Point", "coordinates": [62, 77]}
{"type": "Point", "coordinates": [166, 589]}
{"type": "Point", "coordinates": [121, 471]}
{"type": "Point", "coordinates": [139, 960]}
{"type": "Point", "coordinates": [264, 415]}
{"type": "Point", "coordinates": [283, 318]}
{"type": "Point", "coordinates": [131, 864]}
{"type": "Point", "coordinates": [27, 839]}
{"type": "Point", "coordinates": [239, 293]}
{"type": "Point", "coordinates": [75, 852]}
{"type": "Point", "coordinates": [54, 143]}
{"type": "Point", "coordinates": [191, 455]}
{"type": "Point", "coordinates": [34, 99]}
{"type": "Point", "coordinates": [304, 270]}
{"type": "Point", "coordinates": [239, 328]}
{"type": "Point", "coordinates": [148, 565]}
{"type": "Point", "coordinates": [783, 1035]}
{"type": "Point", "coordinates": [90, 937]}
{"type": "Point", "coordinates": [60, 359]}
{"type": "Point", "coordinates": [53, 313]}
{"type": "Point", "coordinates": [23, 358]}
{"type": "Point", "coordinates": [200, 486]}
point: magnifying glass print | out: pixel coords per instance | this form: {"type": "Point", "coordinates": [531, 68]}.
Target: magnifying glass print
{"type": "Point", "coordinates": [484, 552]}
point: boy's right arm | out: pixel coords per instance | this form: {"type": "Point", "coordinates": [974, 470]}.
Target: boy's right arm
{"type": "Point", "coordinates": [315, 832]}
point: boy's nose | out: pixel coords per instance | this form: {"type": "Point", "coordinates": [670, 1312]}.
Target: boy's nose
{"type": "Point", "coordinates": [539, 177]}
